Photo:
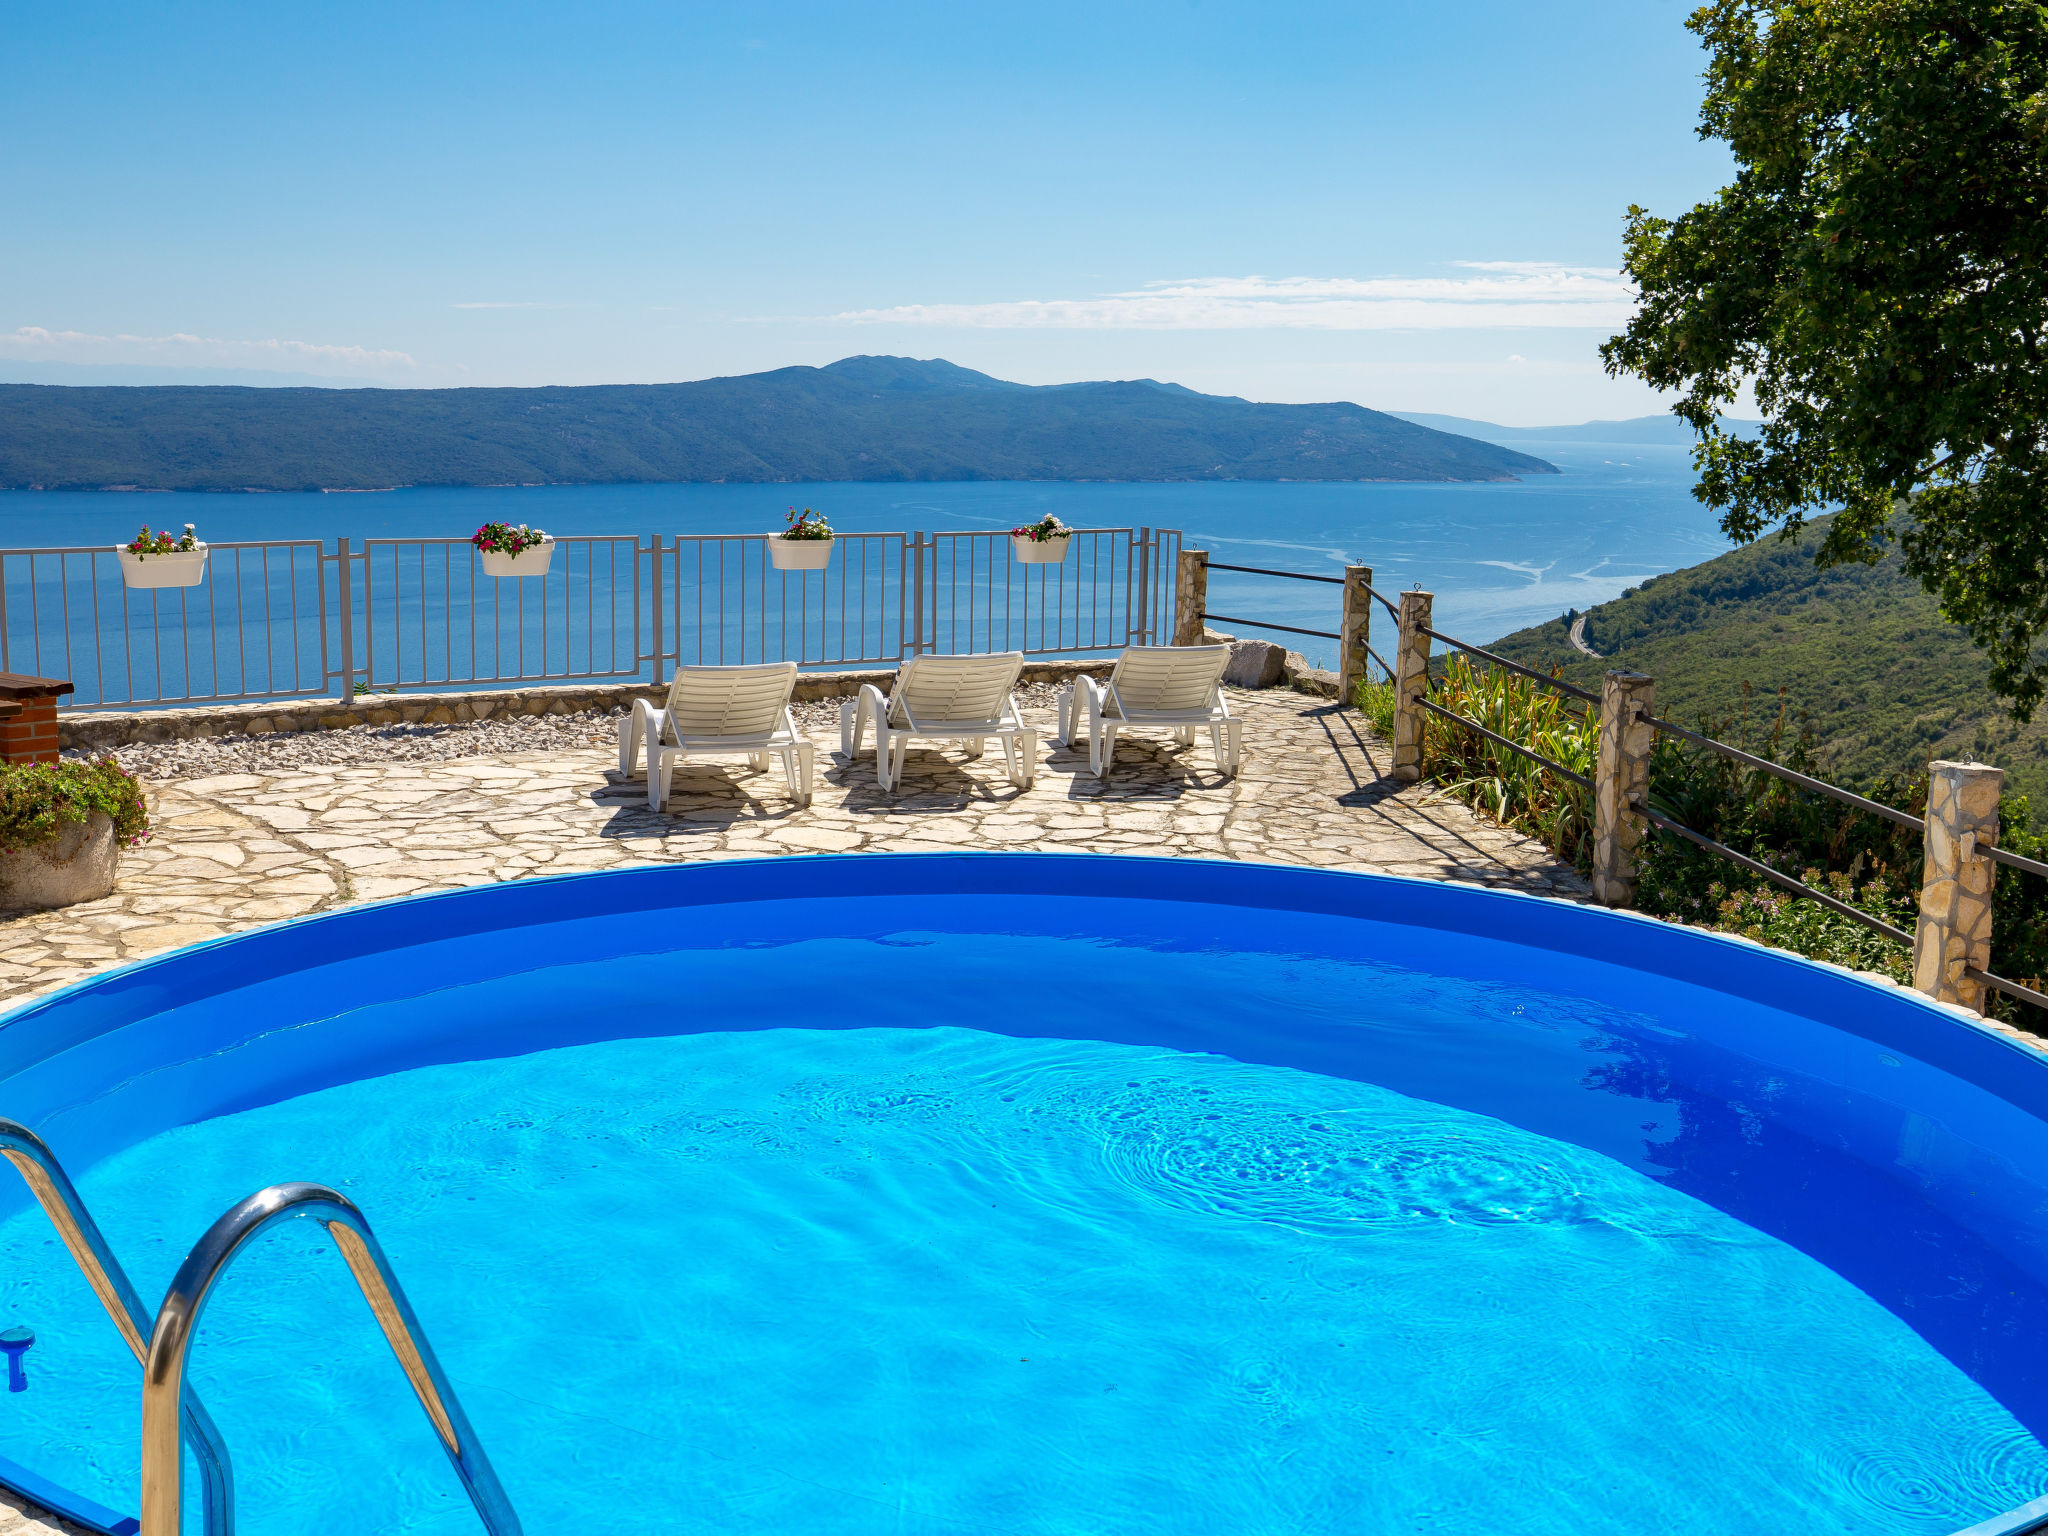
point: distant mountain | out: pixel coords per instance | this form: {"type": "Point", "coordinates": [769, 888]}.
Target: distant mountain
{"type": "Point", "coordinates": [1862, 651]}
{"type": "Point", "coordinates": [1638, 429]}
{"type": "Point", "coordinates": [863, 418]}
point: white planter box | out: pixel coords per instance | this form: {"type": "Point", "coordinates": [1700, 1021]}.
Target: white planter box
{"type": "Point", "coordinates": [799, 554]}
{"type": "Point", "coordinates": [1040, 551]}
{"type": "Point", "coordinates": [530, 561]}
{"type": "Point", "coordinates": [180, 568]}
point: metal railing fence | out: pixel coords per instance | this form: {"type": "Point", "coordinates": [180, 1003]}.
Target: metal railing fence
{"type": "Point", "coordinates": [1106, 594]}
{"type": "Point", "coordinates": [295, 619]}
{"type": "Point", "coordinates": [729, 606]}
{"type": "Point", "coordinates": [255, 627]}
{"type": "Point", "coordinates": [429, 616]}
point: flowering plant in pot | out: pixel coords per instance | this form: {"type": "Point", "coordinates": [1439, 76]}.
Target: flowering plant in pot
{"type": "Point", "coordinates": [158, 560]}
{"type": "Point", "coordinates": [805, 545]}
{"type": "Point", "coordinates": [509, 549]}
{"type": "Point", "coordinates": [1041, 543]}
{"type": "Point", "coordinates": [62, 828]}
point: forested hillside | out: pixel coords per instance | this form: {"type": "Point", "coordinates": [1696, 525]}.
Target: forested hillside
{"type": "Point", "coordinates": [1860, 651]}
{"type": "Point", "coordinates": [862, 418]}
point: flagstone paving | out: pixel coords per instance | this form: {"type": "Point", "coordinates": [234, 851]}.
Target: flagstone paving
{"type": "Point", "coordinates": [233, 851]}
{"type": "Point", "coordinates": [18, 1517]}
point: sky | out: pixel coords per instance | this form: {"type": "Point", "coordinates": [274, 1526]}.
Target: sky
{"type": "Point", "coordinates": [1414, 207]}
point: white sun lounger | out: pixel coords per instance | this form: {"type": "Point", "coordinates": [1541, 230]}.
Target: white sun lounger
{"type": "Point", "coordinates": [1178, 687]}
{"type": "Point", "coordinates": [719, 711]}
{"type": "Point", "coordinates": [943, 698]}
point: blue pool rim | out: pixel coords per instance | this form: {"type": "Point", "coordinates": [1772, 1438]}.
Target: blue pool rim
{"type": "Point", "coordinates": [1885, 1015]}
{"type": "Point", "coordinates": [1877, 1011]}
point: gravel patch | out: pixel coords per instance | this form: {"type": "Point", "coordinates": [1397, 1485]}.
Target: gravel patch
{"type": "Point", "coordinates": [239, 753]}
{"type": "Point", "coordinates": [361, 744]}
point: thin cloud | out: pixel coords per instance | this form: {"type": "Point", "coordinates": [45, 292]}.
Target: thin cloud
{"type": "Point", "coordinates": [185, 349]}
{"type": "Point", "coordinates": [1486, 294]}
{"type": "Point", "coordinates": [506, 304]}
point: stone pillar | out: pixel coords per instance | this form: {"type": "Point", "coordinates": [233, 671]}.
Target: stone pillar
{"type": "Point", "coordinates": [1621, 784]}
{"type": "Point", "coordinates": [1190, 596]}
{"type": "Point", "coordinates": [1411, 679]}
{"type": "Point", "coordinates": [1356, 628]}
{"type": "Point", "coordinates": [1954, 930]}
{"type": "Point", "coordinates": [28, 733]}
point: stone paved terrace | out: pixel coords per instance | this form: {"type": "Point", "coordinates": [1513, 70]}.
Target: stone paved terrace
{"type": "Point", "coordinates": [234, 851]}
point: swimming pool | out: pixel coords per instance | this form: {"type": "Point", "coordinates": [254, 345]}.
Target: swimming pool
{"type": "Point", "coordinates": [1034, 1193]}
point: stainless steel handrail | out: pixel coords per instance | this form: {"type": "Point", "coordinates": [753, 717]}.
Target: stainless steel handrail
{"type": "Point", "coordinates": [54, 1192]}
{"type": "Point", "coordinates": [177, 1320]}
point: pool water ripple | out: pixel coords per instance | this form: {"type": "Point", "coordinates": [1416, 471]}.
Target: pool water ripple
{"type": "Point", "coordinates": [877, 1280]}
{"type": "Point", "coordinates": [1268, 1161]}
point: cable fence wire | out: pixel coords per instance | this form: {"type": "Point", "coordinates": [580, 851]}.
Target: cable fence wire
{"type": "Point", "coordinates": [1519, 755]}
{"type": "Point", "coordinates": [1320, 634]}
{"type": "Point", "coordinates": [2016, 860]}
{"type": "Point", "coordinates": [1513, 746]}
{"type": "Point", "coordinates": [1792, 775]}
{"type": "Point", "coordinates": [1260, 570]}
{"type": "Point", "coordinates": [1557, 684]}
{"type": "Point", "coordinates": [1776, 877]}
{"type": "Point", "coordinates": [2010, 988]}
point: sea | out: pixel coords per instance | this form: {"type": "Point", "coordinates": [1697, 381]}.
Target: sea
{"type": "Point", "coordinates": [1498, 557]}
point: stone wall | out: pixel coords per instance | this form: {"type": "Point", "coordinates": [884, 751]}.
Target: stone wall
{"type": "Point", "coordinates": [104, 730]}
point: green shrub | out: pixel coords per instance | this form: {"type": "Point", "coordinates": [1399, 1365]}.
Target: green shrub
{"type": "Point", "coordinates": [38, 800]}
{"type": "Point", "coordinates": [1376, 701]}
{"type": "Point", "coordinates": [1505, 785]}
{"type": "Point", "coordinates": [1777, 917]}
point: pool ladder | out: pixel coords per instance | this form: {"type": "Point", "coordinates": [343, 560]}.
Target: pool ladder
{"type": "Point", "coordinates": [54, 1192]}
{"type": "Point", "coordinates": [172, 1416]}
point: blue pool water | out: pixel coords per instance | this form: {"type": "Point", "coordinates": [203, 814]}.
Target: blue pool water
{"type": "Point", "coordinates": [1031, 1194]}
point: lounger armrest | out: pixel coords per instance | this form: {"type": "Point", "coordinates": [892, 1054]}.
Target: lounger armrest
{"type": "Point", "coordinates": [870, 708]}
{"type": "Point", "coordinates": [651, 721]}
{"type": "Point", "coordinates": [1092, 694]}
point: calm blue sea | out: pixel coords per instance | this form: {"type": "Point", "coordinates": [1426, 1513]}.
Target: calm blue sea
{"type": "Point", "coordinates": [1498, 556]}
